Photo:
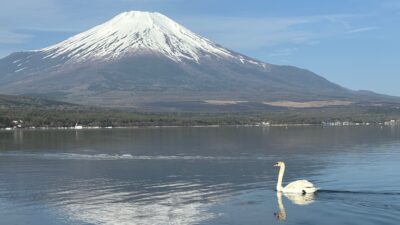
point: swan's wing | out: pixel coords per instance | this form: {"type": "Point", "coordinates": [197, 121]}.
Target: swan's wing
{"type": "Point", "coordinates": [300, 186]}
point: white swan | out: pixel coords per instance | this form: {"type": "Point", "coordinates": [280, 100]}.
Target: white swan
{"type": "Point", "coordinates": [296, 187]}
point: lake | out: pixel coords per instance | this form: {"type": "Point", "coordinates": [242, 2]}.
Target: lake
{"type": "Point", "coordinates": [199, 175]}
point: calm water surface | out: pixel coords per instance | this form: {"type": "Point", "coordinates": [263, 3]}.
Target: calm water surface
{"type": "Point", "coordinates": [199, 176]}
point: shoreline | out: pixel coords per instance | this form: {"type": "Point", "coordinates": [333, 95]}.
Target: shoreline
{"type": "Point", "coordinates": [195, 126]}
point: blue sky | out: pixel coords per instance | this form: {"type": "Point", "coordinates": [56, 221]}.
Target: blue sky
{"type": "Point", "coordinates": [351, 42]}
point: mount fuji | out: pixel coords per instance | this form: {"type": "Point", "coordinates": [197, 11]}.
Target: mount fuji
{"type": "Point", "coordinates": [144, 59]}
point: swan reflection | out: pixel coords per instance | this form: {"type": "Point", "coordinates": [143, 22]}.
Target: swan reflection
{"type": "Point", "coordinates": [297, 199]}
{"type": "Point", "coordinates": [300, 199]}
{"type": "Point", "coordinates": [281, 214]}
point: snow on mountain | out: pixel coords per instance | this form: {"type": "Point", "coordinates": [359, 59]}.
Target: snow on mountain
{"type": "Point", "coordinates": [134, 31]}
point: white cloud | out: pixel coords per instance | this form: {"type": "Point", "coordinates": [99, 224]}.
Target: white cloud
{"type": "Point", "coordinates": [43, 12]}
{"type": "Point", "coordinates": [42, 15]}
{"type": "Point", "coordinates": [250, 33]}
{"type": "Point", "coordinates": [17, 14]}
{"type": "Point", "coordinates": [362, 29]}
{"type": "Point", "coordinates": [10, 37]}
{"type": "Point", "coordinates": [282, 52]}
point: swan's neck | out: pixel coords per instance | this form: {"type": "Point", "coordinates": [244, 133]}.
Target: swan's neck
{"type": "Point", "coordinates": [280, 178]}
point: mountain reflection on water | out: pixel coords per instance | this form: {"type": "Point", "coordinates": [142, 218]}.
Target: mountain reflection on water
{"type": "Point", "coordinates": [199, 176]}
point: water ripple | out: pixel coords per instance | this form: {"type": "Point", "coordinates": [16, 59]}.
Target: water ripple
{"type": "Point", "coordinates": [77, 156]}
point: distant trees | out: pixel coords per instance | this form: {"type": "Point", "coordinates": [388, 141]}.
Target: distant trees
{"type": "Point", "coordinates": [69, 116]}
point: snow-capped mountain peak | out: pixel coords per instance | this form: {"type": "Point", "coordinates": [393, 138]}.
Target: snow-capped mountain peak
{"type": "Point", "coordinates": [142, 59]}
{"type": "Point", "coordinates": [134, 31]}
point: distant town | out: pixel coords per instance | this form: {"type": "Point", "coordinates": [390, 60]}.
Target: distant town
{"type": "Point", "coordinates": [19, 124]}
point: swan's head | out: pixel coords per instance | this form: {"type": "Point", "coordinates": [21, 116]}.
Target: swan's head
{"type": "Point", "coordinates": [280, 163]}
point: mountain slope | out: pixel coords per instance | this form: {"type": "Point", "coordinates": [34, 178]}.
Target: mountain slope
{"type": "Point", "coordinates": [138, 59]}
{"type": "Point", "coordinates": [11, 101]}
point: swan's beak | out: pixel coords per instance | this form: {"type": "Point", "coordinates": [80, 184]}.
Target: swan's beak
{"type": "Point", "coordinates": [276, 164]}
